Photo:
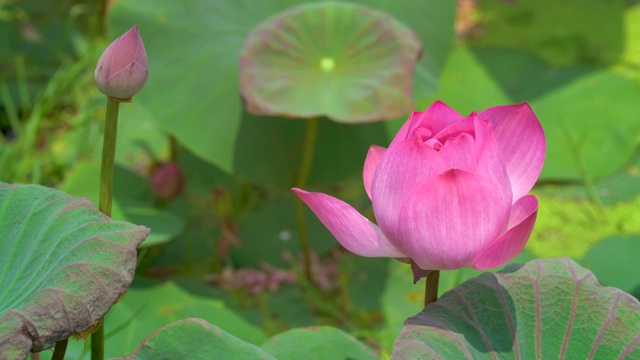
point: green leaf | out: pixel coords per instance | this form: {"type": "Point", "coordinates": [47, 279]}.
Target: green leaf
{"type": "Point", "coordinates": [290, 305]}
{"type": "Point", "coordinates": [63, 265]}
{"type": "Point", "coordinates": [347, 62]}
{"type": "Point", "coordinates": [320, 343]}
{"type": "Point", "coordinates": [145, 309]}
{"type": "Point", "coordinates": [624, 272]}
{"type": "Point", "coordinates": [522, 75]}
{"type": "Point", "coordinates": [561, 32]}
{"type": "Point", "coordinates": [434, 22]}
{"type": "Point", "coordinates": [546, 309]}
{"type": "Point", "coordinates": [195, 339]}
{"type": "Point", "coordinates": [273, 156]}
{"type": "Point", "coordinates": [198, 101]}
{"type": "Point", "coordinates": [365, 279]}
{"type": "Point", "coordinates": [467, 86]}
{"type": "Point", "coordinates": [589, 116]}
{"type": "Point", "coordinates": [591, 125]}
{"type": "Point", "coordinates": [622, 185]}
{"type": "Point", "coordinates": [132, 200]}
{"type": "Point", "coordinates": [140, 141]}
{"type": "Point", "coordinates": [270, 232]}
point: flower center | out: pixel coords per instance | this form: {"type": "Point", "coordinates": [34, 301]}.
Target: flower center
{"type": "Point", "coordinates": [434, 143]}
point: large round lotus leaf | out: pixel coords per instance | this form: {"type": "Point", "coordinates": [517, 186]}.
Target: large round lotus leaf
{"type": "Point", "coordinates": [344, 61]}
{"type": "Point", "coordinates": [546, 309]}
{"type": "Point", "coordinates": [195, 339]}
{"type": "Point", "coordinates": [62, 265]}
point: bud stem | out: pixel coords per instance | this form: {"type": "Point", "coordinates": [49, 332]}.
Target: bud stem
{"type": "Point", "coordinates": [106, 196]}
{"type": "Point", "coordinates": [108, 156]}
{"type": "Point", "coordinates": [431, 287]}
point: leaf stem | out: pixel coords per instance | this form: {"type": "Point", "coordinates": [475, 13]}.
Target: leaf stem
{"type": "Point", "coordinates": [431, 287]}
{"type": "Point", "coordinates": [310, 137]}
{"type": "Point", "coordinates": [106, 196]}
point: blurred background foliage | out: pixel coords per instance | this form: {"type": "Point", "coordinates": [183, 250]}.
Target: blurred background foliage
{"type": "Point", "coordinates": [224, 247]}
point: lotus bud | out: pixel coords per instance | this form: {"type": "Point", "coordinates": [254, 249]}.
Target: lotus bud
{"type": "Point", "coordinates": [167, 181]}
{"type": "Point", "coordinates": [122, 69]}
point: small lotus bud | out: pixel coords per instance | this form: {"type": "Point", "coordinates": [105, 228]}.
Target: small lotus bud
{"type": "Point", "coordinates": [167, 181]}
{"type": "Point", "coordinates": [122, 69]}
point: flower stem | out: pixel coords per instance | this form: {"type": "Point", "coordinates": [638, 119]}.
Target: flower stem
{"type": "Point", "coordinates": [60, 349]}
{"type": "Point", "coordinates": [310, 137]}
{"type": "Point", "coordinates": [431, 287]}
{"type": "Point", "coordinates": [106, 196]}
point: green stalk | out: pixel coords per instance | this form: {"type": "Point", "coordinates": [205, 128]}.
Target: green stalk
{"type": "Point", "coordinates": [108, 156]}
{"type": "Point", "coordinates": [106, 196]}
{"type": "Point", "coordinates": [431, 287]}
{"type": "Point", "coordinates": [60, 349]}
{"type": "Point", "coordinates": [301, 182]}
{"type": "Point", "coordinates": [587, 180]}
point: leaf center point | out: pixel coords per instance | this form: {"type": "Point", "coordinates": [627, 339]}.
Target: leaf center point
{"type": "Point", "coordinates": [327, 64]}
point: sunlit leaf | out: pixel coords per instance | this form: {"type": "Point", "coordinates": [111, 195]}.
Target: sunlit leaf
{"type": "Point", "coordinates": [591, 125]}
{"type": "Point", "coordinates": [569, 227]}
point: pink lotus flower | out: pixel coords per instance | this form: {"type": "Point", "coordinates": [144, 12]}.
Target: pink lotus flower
{"type": "Point", "coordinates": [122, 68]}
{"type": "Point", "coordinates": [449, 192]}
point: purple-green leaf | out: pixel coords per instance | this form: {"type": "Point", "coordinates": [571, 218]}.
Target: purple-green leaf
{"type": "Point", "coordinates": [347, 62]}
{"type": "Point", "coordinates": [545, 309]}
{"type": "Point", "coordinates": [62, 266]}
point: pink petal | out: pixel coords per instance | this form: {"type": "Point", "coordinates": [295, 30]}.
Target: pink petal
{"type": "Point", "coordinates": [510, 244]}
{"type": "Point", "coordinates": [404, 166]}
{"type": "Point", "coordinates": [445, 222]}
{"type": "Point", "coordinates": [437, 117]}
{"type": "Point", "coordinates": [122, 68]}
{"type": "Point", "coordinates": [522, 141]}
{"type": "Point", "coordinates": [460, 153]}
{"type": "Point", "coordinates": [464, 126]}
{"type": "Point", "coordinates": [352, 230]}
{"type": "Point", "coordinates": [490, 161]}
{"type": "Point", "coordinates": [370, 164]}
